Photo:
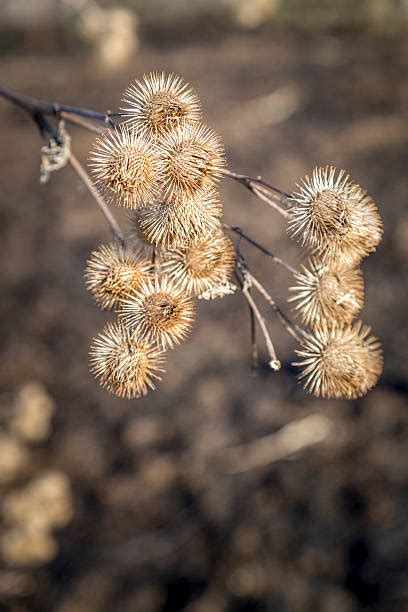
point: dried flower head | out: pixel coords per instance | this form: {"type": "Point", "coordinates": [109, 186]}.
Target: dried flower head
{"type": "Point", "coordinates": [205, 265]}
{"type": "Point", "coordinates": [140, 241]}
{"type": "Point", "coordinates": [159, 312]}
{"type": "Point", "coordinates": [112, 272]}
{"type": "Point", "coordinates": [192, 159]}
{"type": "Point", "coordinates": [340, 362]}
{"type": "Point", "coordinates": [160, 103]}
{"type": "Point", "coordinates": [123, 363]}
{"type": "Point", "coordinates": [179, 222]}
{"type": "Point", "coordinates": [126, 164]}
{"type": "Point", "coordinates": [328, 295]}
{"type": "Point", "coordinates": [335, 217]}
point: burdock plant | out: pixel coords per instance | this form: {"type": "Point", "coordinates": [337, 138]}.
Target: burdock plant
{"type": "Point", "coordinates": [156, 158]}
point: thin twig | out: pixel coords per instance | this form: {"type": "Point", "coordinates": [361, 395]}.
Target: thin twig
{"type": "Point", "coordinates": [87, 125]}
{"type": "Point", "coordinates": [254, 348]}
{"type": "Point", "coordinates": [245, 284]}
{"type": "Point", "coordinates": [273, 196]}
{"type": "Point", "coordinates": [32, 106]}
{"type": "Point", "coordinates": [262, 195]}
{"type": "Point", "coordinates": [294, 330]}
{"type": "Point", "coordinates": [243, 178]}
{"type": "Point", "coordinates": [84, 176]}
{"type": "Point", "coordinates": [264, 250]}
{"type": "Point", "coordinates": [252, 321]}
{"type": "Point", "coordinates": [273, 360]}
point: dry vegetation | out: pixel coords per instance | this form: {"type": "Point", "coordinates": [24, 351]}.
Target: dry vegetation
{"type": "Point", "coordinates": [219, 491]}
{"type": "Point", "coordinates": [164, 164]}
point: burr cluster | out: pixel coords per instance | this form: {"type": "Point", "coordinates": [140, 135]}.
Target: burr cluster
{"type": "Point", "coordinates": [340, 224]}
{"type": "Point", "coordinates": [163, 164]}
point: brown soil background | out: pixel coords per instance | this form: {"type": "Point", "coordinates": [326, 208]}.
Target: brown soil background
{"type": "Point", "coordinates": [159, 525]}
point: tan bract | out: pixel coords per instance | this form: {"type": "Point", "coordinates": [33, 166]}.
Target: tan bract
{"type": "Point", "coordinates": [112, 272]}
{"type": "Point", "coordinates": [159, 103]}
{"type": "Point", "coordinates": [192, 159]}
{"type": "Point", "coordinates": [158, 311]}
{"type": "Point", "coordinates": [126, 164]}
{"type": "Point", "coordinates": [340, 362]}
{"type": "Point", "coordinates": [327, 295]}
{"type": "Point", "coordinates": [205, 265]}
{"type": "Point", "coordinates": [219, 291]}
{"type": "Point", "coordinates": [123, 363]}
{"type": "Point", "coordinates": [179, 222]}
{"type": "Point", "coordinates": [335, 217]}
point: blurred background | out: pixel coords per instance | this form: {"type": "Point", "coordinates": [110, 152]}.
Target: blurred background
{"type": "Point", "coordinates": [220, 491]}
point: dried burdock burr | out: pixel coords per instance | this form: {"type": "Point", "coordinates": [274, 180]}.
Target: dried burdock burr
{"type": "Point", "coordinates": [327, 294]}
{"type": "Point", "coordinates": [125, 164]}
{"type": "Point", "coordinates": [112, 272]}
{"type": "Point", "coordinates": [159, 312]}
{"type": "Point", "coordinates": [180, 221]}
{"type": "Point", "coordinates": [191, 160]}
{"type": "Point", "coordinates": [335, 217]}
{"type": "Point", "coordinates": [159, 103]}
{"type": "Point", "coordinates": [138, 238]}
{"type": "Point", "coordinates": [205, 265]}
{"type": "Point", "coordinates": [123, 363]}
{"type": "Point", "coordinates": [340, 362]}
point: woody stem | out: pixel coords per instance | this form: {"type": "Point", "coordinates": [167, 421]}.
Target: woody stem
{"type": "Point", "coordinates": [84, 176]}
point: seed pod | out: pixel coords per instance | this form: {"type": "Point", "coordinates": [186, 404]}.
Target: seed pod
{"type": "Point", "coordinates": [160, 103]}
{"type": "Point", "coordinates": [125, 164]}
{"type": "Point", "coordinates": [205, 265]}
{"type": "Point", "coordinates": [159, 312]}
{"type": "Point", "coordinates": [327, 295]}
{"type": "Point", "coordinates": [192, 159]}
{"type": "Point", "coordinates": [335, 218]}
{"type": "Point", "coordinates": [112, 272]}
{"type": "Point", "coordinates": [123, 363]}
{"type": "Point", "coordinates": [179, 222]}
{"type": "Point", "coordinates": [340, 362]}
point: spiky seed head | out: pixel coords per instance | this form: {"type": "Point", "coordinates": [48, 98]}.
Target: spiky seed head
{"type": "Point", "coordinates": [335, 217]}
{"type": "Point", "coordinates": [123, 363]}
{"type": "Point", "coordinates": [178, 222]}
{"type": "Point", "coordinates": [323, 294]}
{"type": "Point", "coordinates": [159, 103]}
{"type": "Point", "coordinates": [192, 159]}
{"type": "Point", "coordinates": [205, 265]}
{"type": "Point", "coordinates": [125, 164]}
{"type": "Point", "coordinates": [140, 241]}
{"type": "Point", "coordinates": [340, 362]}
{"type": "Point", "coordinates": [159, 312]}
{"type": "Point", "coordinates": [112, 272]}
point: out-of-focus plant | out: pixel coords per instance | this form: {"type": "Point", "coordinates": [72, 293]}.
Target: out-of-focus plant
{"type": "Point", "coordinates": [156, 158]}
{"type": "Point", "coordinates": [34, 504]}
